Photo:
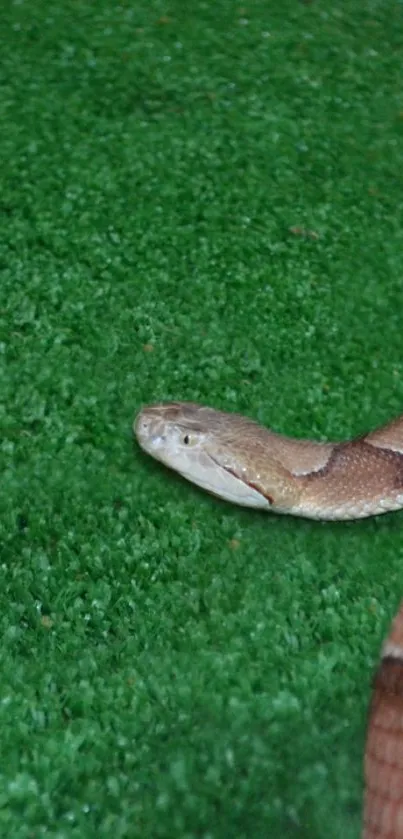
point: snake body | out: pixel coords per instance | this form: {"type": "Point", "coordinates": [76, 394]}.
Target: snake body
{"type": "Point", "coordinates": [383, 764]}
{"type": "Point", "coordinates": [235, 458]}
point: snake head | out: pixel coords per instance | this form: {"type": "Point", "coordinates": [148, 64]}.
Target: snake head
{"type": "Point", "coordinates": [207, 447]}
{"type": "Point", "coordinates": [170, 433]}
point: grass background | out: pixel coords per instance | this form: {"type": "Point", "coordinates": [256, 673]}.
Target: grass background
{"type": "Point", "coordinates": [173, 666]}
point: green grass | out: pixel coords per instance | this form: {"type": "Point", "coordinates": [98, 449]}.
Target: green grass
{"type": "Point", "coordinates": [173, 666]}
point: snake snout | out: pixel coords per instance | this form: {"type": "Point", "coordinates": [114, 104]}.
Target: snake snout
{"type": "Point", "coordinates": [148, 430]}
{"type": "Point", "coordinates": [140, 423]}
{"type": "Point", "coordinates": [142, 426]}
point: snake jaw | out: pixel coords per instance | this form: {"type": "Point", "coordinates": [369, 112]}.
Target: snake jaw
{"type": "Point", "coordinates": [242, 477]}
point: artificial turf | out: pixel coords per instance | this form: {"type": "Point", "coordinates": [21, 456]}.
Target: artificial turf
{"type": "Point", "coordinates": [198, 201]}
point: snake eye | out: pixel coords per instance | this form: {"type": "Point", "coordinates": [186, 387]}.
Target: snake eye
{"type": "Point", "coordinates": [190, 440]}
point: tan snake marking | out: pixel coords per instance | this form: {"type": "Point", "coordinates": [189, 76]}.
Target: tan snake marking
{"type": "Point", "coordinates": [236, 459]}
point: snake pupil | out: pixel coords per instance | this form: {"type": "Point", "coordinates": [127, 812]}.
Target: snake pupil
{"type": "Point", "coordinates": [186, 439]}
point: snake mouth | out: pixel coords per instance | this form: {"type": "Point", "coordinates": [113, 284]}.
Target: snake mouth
{"type": "Point", "coordinates": [253, 486]}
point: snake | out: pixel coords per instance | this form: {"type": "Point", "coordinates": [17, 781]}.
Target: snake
{"type": "Point", "coordinates": [241, 461]}
{"type": "Point", "coordinates": [383, 761]}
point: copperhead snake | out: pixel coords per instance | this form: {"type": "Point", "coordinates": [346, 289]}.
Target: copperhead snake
{"type": "Point", "coordinates": [236, 459]}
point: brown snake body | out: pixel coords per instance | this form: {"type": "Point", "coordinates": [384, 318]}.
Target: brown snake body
{"type": "Point", "coordinates": [236, 459]}
{"type": "Point", "coordinates": [383, 764]}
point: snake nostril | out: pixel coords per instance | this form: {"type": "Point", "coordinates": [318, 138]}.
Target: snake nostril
{"type": "Point", "coordinates": [140, 425]}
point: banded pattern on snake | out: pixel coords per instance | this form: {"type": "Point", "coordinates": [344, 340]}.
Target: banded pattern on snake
{"type": "Point", "coordinates": [236, 459]}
